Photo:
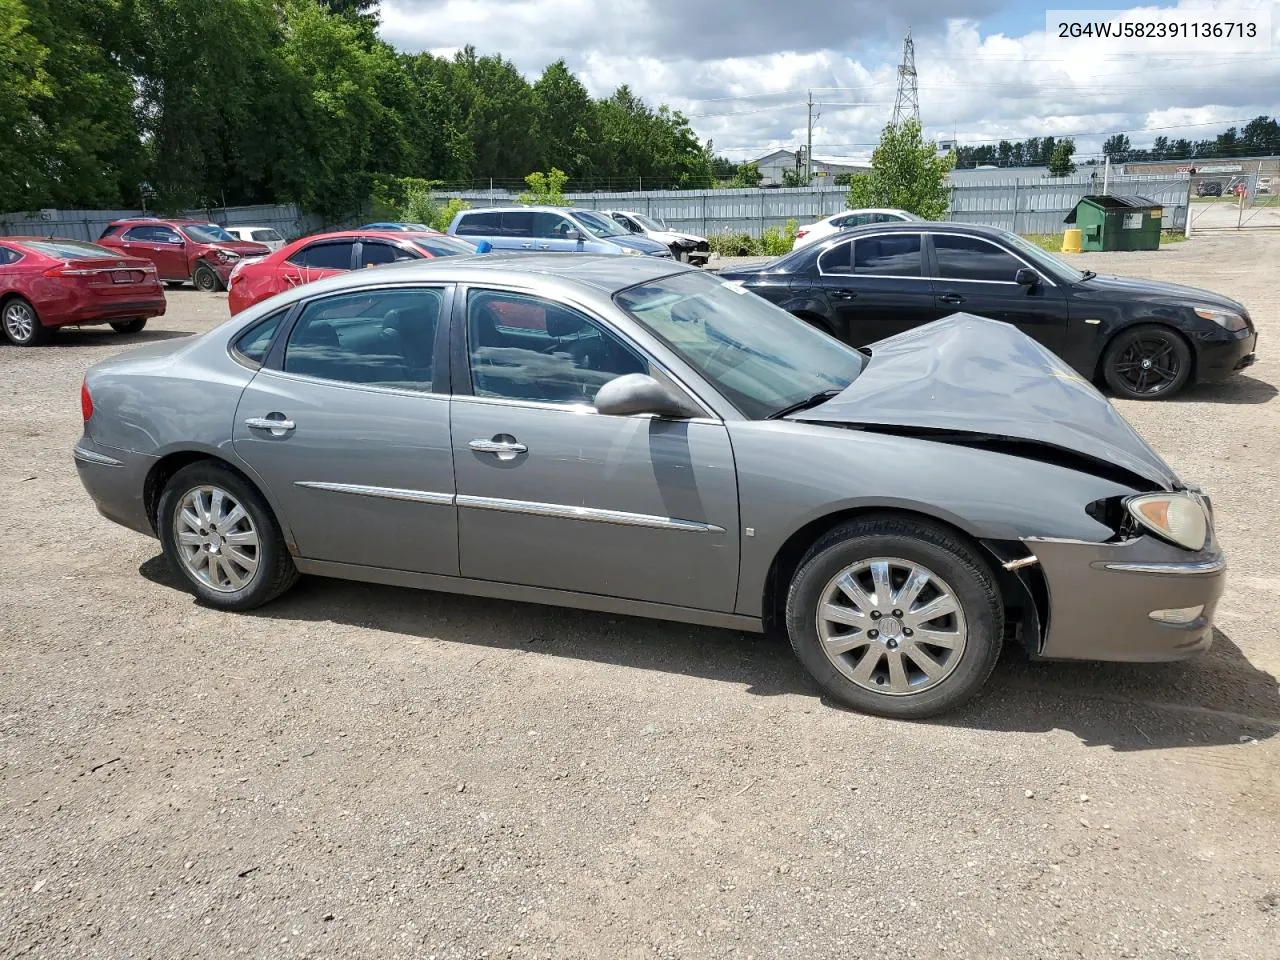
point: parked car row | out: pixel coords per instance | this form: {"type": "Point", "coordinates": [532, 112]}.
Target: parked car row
{"type": "Point", "coordinates": [631, 435]}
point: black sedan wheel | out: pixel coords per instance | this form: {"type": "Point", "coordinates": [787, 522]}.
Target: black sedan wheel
{"type": "Point", "coordinates": [1147, 363]}
{"type": "Point", "coordinates": [895, 617]}
{"type": "Point", "coordinates": [220, 535]}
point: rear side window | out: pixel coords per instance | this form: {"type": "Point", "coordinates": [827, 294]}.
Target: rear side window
{"type": "Point", "coordinates": [334, 255]}
{"type": "Point", "coordinates": [478, 225]}
{"type": "Point", "coordinates": [111, 232]}
{"type": "Point", "coordinates": [516, 223]}
{"type": "Point", "coordinates": [383, 338]}
{"type": "Point", "coordinates": [890, 256]}
{"type": "Point", "coordinates": [8, 256]}
{"type": "Point", "coordinates": [255, 342]}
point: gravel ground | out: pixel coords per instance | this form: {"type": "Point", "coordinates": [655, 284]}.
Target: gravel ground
{"type": "Point", "coordinates": [360, 771]}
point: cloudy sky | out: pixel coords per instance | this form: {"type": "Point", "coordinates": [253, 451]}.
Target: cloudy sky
{"type": "Point", "coordinates": [741, 71]}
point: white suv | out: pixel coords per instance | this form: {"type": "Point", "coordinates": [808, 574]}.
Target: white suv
{"type": "Point", "coordinates": [849, 218]}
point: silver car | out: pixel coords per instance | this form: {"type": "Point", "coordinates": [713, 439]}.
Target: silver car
{"type": "Point", "coordinates": [634, 436]}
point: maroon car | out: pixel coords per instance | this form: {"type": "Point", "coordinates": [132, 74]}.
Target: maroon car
{"type": "Point", "coordinates": [46, 283]}
{"type": "Point", "coordinates": [182, 250]}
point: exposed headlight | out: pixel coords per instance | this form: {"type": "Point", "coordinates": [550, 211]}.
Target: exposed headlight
{"type": "Point", "coordinates": [631, 252]}
{"type": "Point", "coordinates": [1223, 318]}
{"type": "Point", "coordinates": [1176, 517]}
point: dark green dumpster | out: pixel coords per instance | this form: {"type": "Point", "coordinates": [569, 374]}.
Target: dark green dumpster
{"type": "Point", "coordinates": [1118, 223]}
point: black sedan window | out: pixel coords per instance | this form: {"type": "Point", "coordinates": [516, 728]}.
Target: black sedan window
{"type": "Point", "coordinates": [891, 255]}
{"type": "Point", "coordinates": [969, 258]}
{"type": "Point", "coordinates": [759, 357]}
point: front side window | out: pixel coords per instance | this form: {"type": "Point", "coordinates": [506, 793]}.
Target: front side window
{"type": "Point", "coordinates": [382, 338]}
{"type": "Point", "coordinates": [325, 256]}
{"type": "Point", "coordinates": [757, 355]}
{"type": "Point", "coordinates": [892, 255]}
{"type": "Point", "coordinates": [968, 258]}
{"type": "Point", "coordinates": [838, 259]}
{"type": "Point", "coordinates": [373, 253]}
{"type": "Point", "coordinates": [527, 348]}
{"type": "Point", "coordinates": [551, 226]}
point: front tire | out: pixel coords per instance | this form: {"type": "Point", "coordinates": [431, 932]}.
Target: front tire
{"type": "Point", "coordinates": [205, 280]}
{"type": "Point", "coordinates": [1147, 362]}
{"type": "Point", "coordinates": [22, 326]}
{"type": "Point", "coordinates": [895, 617]}
{"type": "Point", "coordinates": [129, 326]}
{"type": "Point", "coordinates": [221, 537]}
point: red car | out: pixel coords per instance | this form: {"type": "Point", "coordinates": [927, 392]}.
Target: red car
{"type": "Point", "coordinates": [182, 250]}
{"type": "Point", "coordinates": [48, 282]}
{"type": "Point", "coordinates": [327, 254]}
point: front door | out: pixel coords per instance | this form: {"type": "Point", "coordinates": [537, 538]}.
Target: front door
{"type": "Point", "coordinates": [974, 275]}
{"type": "Point", "coordinates": [876, 286]}
{"type": "Point", "coordinates": [345, 425]}
{"type": "Point", "coordinates": [552, 494]}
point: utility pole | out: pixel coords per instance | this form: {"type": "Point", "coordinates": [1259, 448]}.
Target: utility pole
{"type": "Point", "coordinates": [906, 105]}
{"type": "Point", "coordinates": [808, 150]}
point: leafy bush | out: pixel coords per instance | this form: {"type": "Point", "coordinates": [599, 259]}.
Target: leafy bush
{"type": "Point", "coordinates": [734, 244]}
{"type": "Point", "coordinates": [777, 242]}
{"type": "Point", "coordinates": [546, 188]}
{"type": "Point", "coordinates": [444, 216]}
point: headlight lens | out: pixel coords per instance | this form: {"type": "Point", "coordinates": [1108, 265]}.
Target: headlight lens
{"type": "Point", "coordinates": [1179, 518]}
{"type": "Point", "coordinates": [1223, 318]}
{"type": "Point", "coordinates": [631, 252]}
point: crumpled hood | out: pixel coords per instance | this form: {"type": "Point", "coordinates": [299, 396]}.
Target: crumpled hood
{"type": "Point", "coordinates": [977, 376]}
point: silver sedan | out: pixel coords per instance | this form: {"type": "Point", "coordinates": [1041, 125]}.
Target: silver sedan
{"type": "Point", "coordinates": [631, 436]}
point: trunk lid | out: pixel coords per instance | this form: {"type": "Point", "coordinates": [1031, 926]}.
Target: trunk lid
{"type": "Point", "coordinates": [969, 375]}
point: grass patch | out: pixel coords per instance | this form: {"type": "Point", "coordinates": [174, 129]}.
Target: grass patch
{"type": "Point", "coordinates": [1053, 241]}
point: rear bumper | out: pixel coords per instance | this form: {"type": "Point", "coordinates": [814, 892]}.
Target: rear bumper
{"type": "Point", "coordinates": [1219, 360]}
{"type": "Point", "coordinates": [146, 304]}
{"type": "Point", "coordinates": [1140, 600]}
{"type": "Point", "coordinates": [116, 481]}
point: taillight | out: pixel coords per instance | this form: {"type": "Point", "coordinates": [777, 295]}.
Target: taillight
{"type": "Point", "coordinates": [801, 232]}
{"type": "Point", "coordinates": [86, 401]}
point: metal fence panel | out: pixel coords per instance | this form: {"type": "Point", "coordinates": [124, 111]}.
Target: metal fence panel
{"type": "Point", "coordinates": [285, 218]}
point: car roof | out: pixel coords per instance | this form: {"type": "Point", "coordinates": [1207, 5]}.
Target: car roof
{"type": "Point", "coordinates": [136, 220]}
{"type": "Point", "coordinates": [532, 208]}
{"type": "Point", "coordinates": [923, 226]}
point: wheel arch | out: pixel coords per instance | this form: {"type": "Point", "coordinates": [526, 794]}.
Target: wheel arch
{"type": "Point", "coordinates": [163, 470]}
{"type": "Point", "coordinates": [1024, 593]}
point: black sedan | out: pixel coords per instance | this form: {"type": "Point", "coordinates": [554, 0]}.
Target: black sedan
{"type": "Point", "coordinates": [1146, 340]}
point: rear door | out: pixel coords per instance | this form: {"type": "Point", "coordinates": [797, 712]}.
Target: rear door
{"type": "Point", "coordinates": [315, 261]}
{"type": "Point", "coordinates": [975, 275]}
{"type": "Point", "coordinates": [876, 286]}
{"type": "Point", "coordinates": [348, 425]}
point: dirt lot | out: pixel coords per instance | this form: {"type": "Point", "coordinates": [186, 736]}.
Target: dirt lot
{"type": "Point", "coordinates": [362, 771]}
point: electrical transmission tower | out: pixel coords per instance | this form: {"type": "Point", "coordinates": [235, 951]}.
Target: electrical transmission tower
{"type": "Point", "coordinates": [907, 104]}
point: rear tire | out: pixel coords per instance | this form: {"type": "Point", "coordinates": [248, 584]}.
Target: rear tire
{"type": "Point", "coordinates": [220, 536]}
{"type": "Point", "coordinates": [129, 326]}
{"type": "Point", "coordinates": [896, 617]}
{"type": "Point", "coordinates": [205, 280]}
{"type": "Point", "coordinates": [22, 326]}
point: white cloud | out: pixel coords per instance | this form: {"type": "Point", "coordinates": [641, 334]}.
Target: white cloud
{"type": "Point", "coordinates": [742, 78]}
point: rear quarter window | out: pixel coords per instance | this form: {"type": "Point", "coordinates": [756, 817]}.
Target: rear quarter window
{"type": "Point", "coordinates": [478, 225]}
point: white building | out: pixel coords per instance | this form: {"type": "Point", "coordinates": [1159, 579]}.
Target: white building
{"type": "Point", "coordinates": [772, 166]}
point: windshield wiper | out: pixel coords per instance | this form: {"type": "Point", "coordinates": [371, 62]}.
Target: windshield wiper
{"type": "Point", "coordinates": [815, 400]}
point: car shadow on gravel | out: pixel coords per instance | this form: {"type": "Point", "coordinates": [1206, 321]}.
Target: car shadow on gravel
{"type": "Point", "coordinates": [1218, 698]}
{"type": "Point", "coordinates": [104, 336]}
{"type": "Point", "coordinates": [1239, 389]}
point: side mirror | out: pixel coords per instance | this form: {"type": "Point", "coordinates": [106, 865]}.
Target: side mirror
{"type": "Point", "coordinates": [1026, 277]}
{"type": "Point", "coordinates": [572, 234]}
{"type": "Point", "coordinates": [639, 393]}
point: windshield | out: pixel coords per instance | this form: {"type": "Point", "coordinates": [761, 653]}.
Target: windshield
{"type": "Point", "coordinates": [600, 226]}
{"type": "Point", "coordinates": [69, 249]}
{"type": "Point", "coordinates": [761, 358]}
{"type": "Point", "coordinates": [207, 233]}
{"type": "Point", "coordinates": [1043, 258]}
{"type": "Point", "coordinates": [649, 223]}
{"type": "Point", "coordinates": [444, 246]}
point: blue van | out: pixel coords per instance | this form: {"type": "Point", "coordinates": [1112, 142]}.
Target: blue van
{"type": "Point", "coordinates": [553, 230]}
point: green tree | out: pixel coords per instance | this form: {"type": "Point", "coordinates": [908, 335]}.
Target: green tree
{"type": "Point", "coordinates": [23, 83]}
{"type": "Point", "coordinates": [794, 178]}
{"type": "Point", "coordinates": [1061, 163]}
{"type": "Point", "coordinates": [565, 122]}
{"type": "Point", "coordinates": [906, 174]}
{"type": "Point", "coordinates": [747, 175]}
{"type": "Point", "coordinates": [1117, 147]}
{"type": "Point", "coordinates": [546, 189]}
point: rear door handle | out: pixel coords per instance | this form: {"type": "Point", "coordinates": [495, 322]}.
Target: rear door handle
{"type": "Point", "coordinates": [844, 294]}
{"type": "Point", "coordinates": [502, 449]}
{"type": "Point", "coordinates": [951, 298]}
{"type": "Point", "coordinates": [527, 246]}
{"type": "Point", "coordinates": [278, 425]}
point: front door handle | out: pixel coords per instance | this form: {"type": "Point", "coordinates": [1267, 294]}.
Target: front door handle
{"type": "Point", "coordinates": [951, 298]}
{"type": "Point", "coordinates": [277, 424]}
{"type": "Point", "coordinates": [844, 294]}
{"type": "Point", "coordinates": [527, 246]}
{"type": "Point", "coordinates": [503, 449]}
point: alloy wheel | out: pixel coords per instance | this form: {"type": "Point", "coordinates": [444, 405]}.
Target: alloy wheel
{"type": "Point", "coordinates": [19, 322]}
{"type": "Point", "coordinates": [1149, 365]}
{"type": "Point", "coordinates": [216, 539]}
{"type": "Point", "coordinates": [891, 626]}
